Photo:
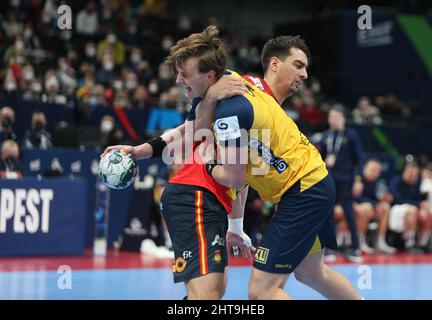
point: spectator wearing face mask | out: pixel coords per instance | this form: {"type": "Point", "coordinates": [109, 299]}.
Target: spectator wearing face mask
{"type": "Point", "coordinates": [121, 100]}
{"type": "Point", "coordinates": [106, 128]}
{"type": "Point", "coordinates": [131, 36]}
{"type": "Point", "coordinates": [131, 82]}
{"type": "Point", "coordinates": [10, 163]}
{"type": "Point", "coordinates": [89, 53]}
{"type": "Point", "coordinates": [37, 137]}
{"type": "Point", "coordinates": [144, 71]}
{"type": "Point", "coordinates": [140, 97]}
{"type": "Point", "coordinates": [31, 40]}
{"type": "Point", "coordinates": [66, 75]}
{"type": "Point", "coordinates": [96, 97]}
{"type": "Point", "coordinates": [12, 25]}
{"type": "Point", "coordinates": [110, 133]}
{"type": "Point", "coordinates": [28, 74]}
{"type": "Point", "coordinates": [165, 77]}
{"type": "Point", "coordinates": [33, 92]}
{"type": "Point", "coordinates": [112, 46]}
{"type": "Point", "coordinates": [10, 86]}
{"type": "Point", "coordinates": [87, 20]}
{"type": "Point", "coordinates": [15, 51]}
{"type": "Point", "coordinates": [88, 82]}
{"type": "Point", "coordinates": [166, 115]}
{"type": "Point", "coordinates": [107, 72]}
{"type": "Point", "coordinates": [52, 90]}
{"type": "Point", "coordinates": [7, 120]}
{"type": "Point", "coordinates": [135, 58]}
{"type": "Point", "coordinates": [26, 81]}
{"type": "Point", "coordinates": [107, 16]}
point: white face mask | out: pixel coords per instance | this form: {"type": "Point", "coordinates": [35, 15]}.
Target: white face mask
{"type": "Point", "coordinates": [90, 52]}
{"type": "Point", "coordinates": [133, 29]}
{"type": "Point", "coordinates": [153, 88]}
{"type": "Point", "coordinates": [136, 58]}
{"type": "Point", "coordinates": [185, 24]}
{"type": "Point", "coordinates": [64, 66]}
{"type": "Point", "coordinates": [51, 90]}
{"type": "Point", "coordinates": [11, 86]}
{"type": "Point", "coordinates": [243, 52]}
{"type": "Point", "coordinates": [28, 33]}
{"type": "Point", "coordinates": [316, 87]}
{"type": "Point", "coordinates": [118, 85]}
{"type": "Point", "coordinates": [165, 74]}
{"type": "Point", "coordinates": [20, 59]}
{"type": "Point", "coordinates": [19, 45]}
{"type": "Point", "coordinates": [109, 65]}
{"type": "Point", "coordinates": [167, 44]}
{"type": "Point", "coordinates": [131, 85]}
{"type": "Point", "coordinates": [111, 39]}
{"type": "Point", "coordinates": [93, 100]}
{"type": "Point", "coordinates": [37, 87]}
{"type": "Point", "coordinates": [28, 75]}
{"type": "Point", "coordinates": [66, 35]}
{"type": "Point", "coordinates": [107, 126]}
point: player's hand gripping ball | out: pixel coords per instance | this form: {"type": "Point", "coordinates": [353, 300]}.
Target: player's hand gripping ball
{"type": "Point", "coordinates": [117, 169]}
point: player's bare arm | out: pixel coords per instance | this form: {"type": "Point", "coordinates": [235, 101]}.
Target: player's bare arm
{"type": "Point", "coordinates": [145, 150]}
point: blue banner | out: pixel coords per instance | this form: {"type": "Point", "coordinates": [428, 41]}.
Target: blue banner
{"type": "Point", "coordinates": [42, 217]}
{"type": "Point", "coordinates": [75, 164]}
{"type": "Point", "coordinates": [67, 163]}
{"type": "Point", "coordinates": [381, 61]}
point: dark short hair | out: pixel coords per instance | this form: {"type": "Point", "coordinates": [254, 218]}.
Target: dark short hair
{"type": "Point", "coordinates": [281, 47]}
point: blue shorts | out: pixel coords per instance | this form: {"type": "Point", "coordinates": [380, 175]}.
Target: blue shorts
{"type": "Point", "coordinates": [302, 224]}
{"type": "Point", "coordinates": [197, 224]}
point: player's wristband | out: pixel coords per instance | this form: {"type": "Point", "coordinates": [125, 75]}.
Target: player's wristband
{"type": "Point", "coordinates": [210, 166]}
{"type": "Point", "coordinates": [235, 225]}
{"type": "Point", "coordinates": [158, 144]}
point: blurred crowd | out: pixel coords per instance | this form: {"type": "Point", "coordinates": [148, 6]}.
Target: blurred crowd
{"type": "Point", "coordinates": [112, 57]}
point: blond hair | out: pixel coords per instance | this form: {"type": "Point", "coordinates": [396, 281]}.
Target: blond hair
{"type": "Point", "coordinates": [206, 46]}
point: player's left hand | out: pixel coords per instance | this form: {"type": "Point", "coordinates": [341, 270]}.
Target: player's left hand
{"type": "Point", "coordinates": [242, 242]}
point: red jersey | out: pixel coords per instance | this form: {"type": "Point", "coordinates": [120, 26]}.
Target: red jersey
{"type": "Point", "coordinates": [260, 83]}
{"type": "Point", "coordinates": [194, 173]}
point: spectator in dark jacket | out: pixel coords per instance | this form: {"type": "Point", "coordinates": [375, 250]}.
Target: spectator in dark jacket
{"type": "Point", "coordinates": [38, 136]}
{"type": "Point", "coordinates": [342, 151]}
{"type": "Point", "coordinates": [7, 120]}
{"type": "Point", "coordinates": [410, 211]}
{"type": "Point", "coordinates": [10, 163]}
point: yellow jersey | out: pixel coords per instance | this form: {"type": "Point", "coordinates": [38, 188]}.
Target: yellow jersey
{"type": "Point", "coordinates": [278, 153]}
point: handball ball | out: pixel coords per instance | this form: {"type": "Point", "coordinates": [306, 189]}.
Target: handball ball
{"type": "Point", "coordinates": [118, 170]}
